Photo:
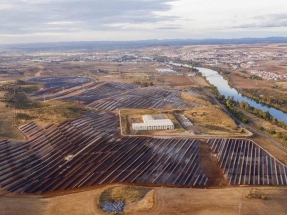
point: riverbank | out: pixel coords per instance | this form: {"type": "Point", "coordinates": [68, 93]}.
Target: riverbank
{"type": "Point", "coordinates": [258, 90]}
{"type": "Point", "coordinates": [214, 78]}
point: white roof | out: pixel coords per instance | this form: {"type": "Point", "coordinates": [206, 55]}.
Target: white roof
{"type": "Point", "coordinates": [150, 121]}
{"type": "Point", "coordinates": [160, 123]}
{"type": "Point", "coordinates": [147, 118]}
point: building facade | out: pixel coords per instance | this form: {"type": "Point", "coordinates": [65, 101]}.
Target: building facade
{"type": "Point", "coordinates": [153, 124]}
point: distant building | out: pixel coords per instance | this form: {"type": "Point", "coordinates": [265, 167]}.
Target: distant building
{"type": "Point", "coordinates": [153, 124]}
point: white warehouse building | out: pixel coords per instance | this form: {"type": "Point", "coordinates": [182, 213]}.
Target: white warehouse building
{"type": "Point", "coordinates": [153, 124]}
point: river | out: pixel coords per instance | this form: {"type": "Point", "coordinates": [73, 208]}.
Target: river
{"type": "Point", "coordinates": [223, 87]}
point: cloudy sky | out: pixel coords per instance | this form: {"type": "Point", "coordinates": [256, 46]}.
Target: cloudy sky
{"type": "Point", "coordinates": [24, 21]}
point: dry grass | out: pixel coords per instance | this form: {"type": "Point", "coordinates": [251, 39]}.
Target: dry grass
{"type": "Point", "coordinates": [167, 201]}
{"type": "Point", "coordinates": [53, 112]}
{"type": "Point", "coordinates": [194, 99]}
{"type": "Point", "coordinates": [211, 120]}
{"type": "Point", "coordinates": [175, 201]}
{"type": "Point", "coordinates": [282, 84]}
{"type": "Point", "coordinates": [146, 203]}
{"type": "Point", "coordinates": [7, 129]}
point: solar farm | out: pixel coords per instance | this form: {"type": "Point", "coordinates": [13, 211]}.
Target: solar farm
{"type": "Point", "coordinates": [88, 151]}
{"type": "Point", "coordinates": [91, 151]}
{"type": "Point", "coordinates": [245, 163]}
{"type": "Point", "coordinates": [111, 96]}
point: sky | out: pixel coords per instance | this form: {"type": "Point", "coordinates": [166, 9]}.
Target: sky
{"type": "Point", "coordinates": [28, 21]}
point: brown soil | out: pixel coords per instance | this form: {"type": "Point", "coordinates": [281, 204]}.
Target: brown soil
{"type": "Point", "coordinates": [211, 167]}
{"type": "Point", "coordinates": [26, 205]}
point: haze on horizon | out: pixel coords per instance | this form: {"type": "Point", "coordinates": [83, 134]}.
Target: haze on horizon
{"type": "Point", "coordinates": [26, 21]}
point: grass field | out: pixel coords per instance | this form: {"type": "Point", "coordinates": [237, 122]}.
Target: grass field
{"type": "Point", "coordinates": [211, 120]}
{"type": "Point", "coordinates": [49, 112]}
{"type": "Point", "coordinates": [7, 127]}
{"type": "Point", "coordinates": [282, 85]}
{"type": "Point", "coordinates": [194, 99]}
{"type": "Point", "coordinates": [52, 112]}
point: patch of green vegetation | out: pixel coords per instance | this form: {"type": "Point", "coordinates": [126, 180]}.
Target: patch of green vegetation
{"type": "Point", "coordinates": [271, 97]}
{"type": "Point", "coordinates": [230, 105]}
{"type": "Point", "coordinates": [16, 94]}
{"type": "Point", "coordinates": [255, 194]}
{"type": "Point", "coordinates": [24, 116]}
{"type": "Point", "coordinates": [72, 111]}
{"type": "Point", "coordinates": [21, 101]}
{"type": "Point", "coordinates": [143, 84]}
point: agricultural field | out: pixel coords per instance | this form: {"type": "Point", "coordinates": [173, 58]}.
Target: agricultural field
{"type": "Point", "coordinates": [240, 82]}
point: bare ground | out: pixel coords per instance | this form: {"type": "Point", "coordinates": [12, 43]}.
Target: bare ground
{"type": "Point", "coordinates": [168, 201]}
{"type": "Point", "coordinates": [25, 205]}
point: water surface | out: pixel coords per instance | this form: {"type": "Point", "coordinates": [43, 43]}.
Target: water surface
{"type": "Point", "coordinates": [223, 87]}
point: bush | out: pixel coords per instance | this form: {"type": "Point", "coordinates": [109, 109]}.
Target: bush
{"type": "Point", "coordinates": [260, 128]}
{"type": "Point", "coordinates": [24, 116]}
